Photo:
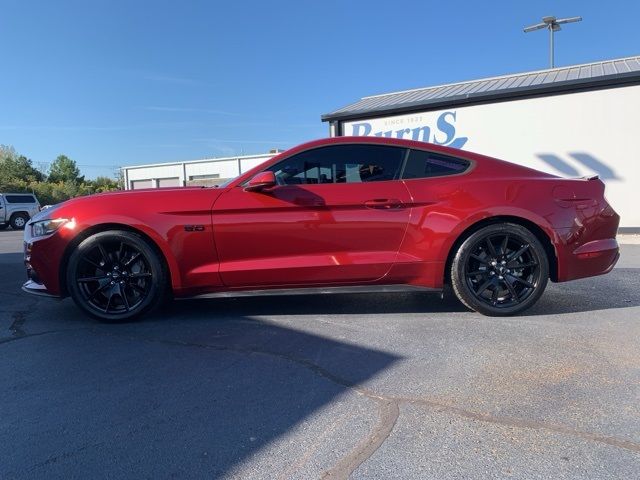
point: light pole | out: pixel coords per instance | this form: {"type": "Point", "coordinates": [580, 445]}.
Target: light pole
{"type": "Point", "coordinates": [553, 25]}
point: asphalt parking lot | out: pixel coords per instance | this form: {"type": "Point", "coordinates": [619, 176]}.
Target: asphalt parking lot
{"type": "Point", "coordinates": [361, 386]}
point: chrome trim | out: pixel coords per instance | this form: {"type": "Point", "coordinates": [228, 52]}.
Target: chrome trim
{"type": "Point", "coordinates": [37, 289]}
{"type": "Point", "coordinates": [315, 291]}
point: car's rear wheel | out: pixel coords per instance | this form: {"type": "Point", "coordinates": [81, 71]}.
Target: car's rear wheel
{"type": "Point", "coordinates": [116, 276]}
{"type": "Point", "coordinates": [19, 220]}
{"type": "Point", "coordinates": [501, 269]}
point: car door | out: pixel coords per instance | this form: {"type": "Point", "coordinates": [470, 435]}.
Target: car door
{"type": "Point", "coordinates": [338, 215]}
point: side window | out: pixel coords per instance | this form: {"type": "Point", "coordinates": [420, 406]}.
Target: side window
{"type": "Point", "coordinates": [421, 164]}
{"type": "Point", "coordinates": [20, 199]}
{"type": "Point", "coordinates": [341, 164]}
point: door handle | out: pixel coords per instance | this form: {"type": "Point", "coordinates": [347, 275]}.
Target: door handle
{"type": "Point", "coordinates": [383, 203]}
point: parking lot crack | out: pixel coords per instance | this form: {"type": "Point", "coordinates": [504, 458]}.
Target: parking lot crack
{"type": "Point", "coordinates": [388, 416]}
{"type": "Point", "coordinates": [65, 455]}
{"type": "Point", "coordinates": [25, 335]}
{"type": "Point", "coordinates": [522, 423]}
{"type": "Point", "coordinates": [309, 365]}
{"type": "Point", "coordinates": [18, 322]}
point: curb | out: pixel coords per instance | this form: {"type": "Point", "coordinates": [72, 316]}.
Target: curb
{"type": "Point", "coordinates": [628, 239]}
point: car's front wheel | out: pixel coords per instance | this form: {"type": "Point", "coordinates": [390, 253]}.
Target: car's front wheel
{"type": "Point", "coordinates": [116, 275]}
{"type": "Point", "coordinates": [501, 269]}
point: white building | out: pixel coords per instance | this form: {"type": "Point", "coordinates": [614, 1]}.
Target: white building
{"type": "Point", "coordinates": [208, 171]}
{"type": "Point", "coordinates": [569, 121]}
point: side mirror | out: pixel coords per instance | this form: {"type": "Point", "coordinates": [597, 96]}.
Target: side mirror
{"type": "Point", "coordinates": [261, 181]}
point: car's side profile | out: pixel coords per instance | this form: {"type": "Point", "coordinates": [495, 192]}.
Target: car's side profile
{"type": "Point", "coordinates": [338, 214]}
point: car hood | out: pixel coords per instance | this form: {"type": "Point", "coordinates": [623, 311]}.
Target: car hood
{"type": "Point", "coordinates": [135, 203]}
{"type": "Point", "coordinates": [144, 191]}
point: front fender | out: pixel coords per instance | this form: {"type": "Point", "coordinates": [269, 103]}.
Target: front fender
{"type": "Point", "coordinates": [114, 222]}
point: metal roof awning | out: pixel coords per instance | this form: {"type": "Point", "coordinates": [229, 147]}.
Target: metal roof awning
{"type": "Point", "coordinates": [555, 80]}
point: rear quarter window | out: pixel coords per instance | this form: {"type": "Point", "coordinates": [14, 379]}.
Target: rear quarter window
{"type": "Point", "coordinates": [421, 164]}
{"type": "Point", "coordinates": [20, 199]}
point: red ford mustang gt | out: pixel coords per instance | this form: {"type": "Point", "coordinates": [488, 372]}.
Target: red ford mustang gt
{"type": "Point", "coordinates": [336, 215]}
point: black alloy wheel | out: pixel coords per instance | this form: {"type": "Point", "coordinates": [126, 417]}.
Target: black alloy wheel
{"type": "Point", "coordinates": [501, 269]}
{"type": "Point", "coordinates": [116, 275]}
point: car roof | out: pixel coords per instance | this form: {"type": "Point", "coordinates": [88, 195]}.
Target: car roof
{"type": "Point", "coordinates": [482, 164]}
{"type": "Point", "coordinates": [400, 142]}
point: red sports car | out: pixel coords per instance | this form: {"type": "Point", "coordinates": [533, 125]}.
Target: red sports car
{"type": "Point", "coordinates": [344, 214]}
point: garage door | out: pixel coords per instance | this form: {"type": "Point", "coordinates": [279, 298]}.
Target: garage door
{"type": "Point", "coordinates": [138, 184]}
{"type": "Point", "coordinates": [169, 182]}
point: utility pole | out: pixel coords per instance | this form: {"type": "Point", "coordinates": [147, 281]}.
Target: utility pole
{"type": "Point", "coordinates": [553, 25]}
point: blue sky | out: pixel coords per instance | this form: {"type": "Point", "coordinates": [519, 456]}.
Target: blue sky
{"type": "Point", "coordinates": [121, 82]}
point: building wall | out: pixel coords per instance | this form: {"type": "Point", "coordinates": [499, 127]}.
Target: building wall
{"type": "Point", "coordinates": [569, 135]}
{"type": "Point", "coordinates": [197, 172]}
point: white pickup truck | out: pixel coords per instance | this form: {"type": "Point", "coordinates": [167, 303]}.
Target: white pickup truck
{"type": "Point", "coordinates": [16, 209]}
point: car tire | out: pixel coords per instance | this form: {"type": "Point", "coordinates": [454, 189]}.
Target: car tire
{"type": "Point", "coordinates": [19, 220]}
{"type": "Point", "coordinates": [499, 270]}
{"type": "Point", "coordinates": [117, 276]}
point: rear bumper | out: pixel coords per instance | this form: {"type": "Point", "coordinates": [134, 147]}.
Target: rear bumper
{"type": "Point", "coordinates": [591, 259]}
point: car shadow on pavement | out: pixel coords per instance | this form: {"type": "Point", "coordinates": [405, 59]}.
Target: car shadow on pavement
{"type": "Point", "coordinates": [327, 304]}
{"type": "Point", "coordinates": [179, 397]}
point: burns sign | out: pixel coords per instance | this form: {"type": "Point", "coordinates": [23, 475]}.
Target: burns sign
{"type": "Point", "coordinates": [423, 127]}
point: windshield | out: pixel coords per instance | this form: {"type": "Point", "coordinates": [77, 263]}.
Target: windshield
{"type": "Point", "coordinates": [226, 183]}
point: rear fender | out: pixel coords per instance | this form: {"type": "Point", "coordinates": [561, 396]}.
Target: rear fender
{"type": "Point", "coordinates": [460, 231]}
{"type": "Point", "coordinates": [506, 214]}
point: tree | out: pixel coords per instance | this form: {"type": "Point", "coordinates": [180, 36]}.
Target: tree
{"type": "Point", "coordinates": [18, 175]}
{"type": "Point", "coordinates": [7, 151]}
{"type": "Point", "coordinates": [63, 169]}
{"type": "Point", "coordinates": [103, 184]}
{"type": "Point", "coordinates": [120, 179]}
{"type": "Point", "coordinates": [17, 167]}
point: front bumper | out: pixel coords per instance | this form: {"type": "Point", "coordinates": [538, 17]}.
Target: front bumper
{"type": "Point", "coordinates": [37, 289]}
{"type": "Point", "coordinates": [43, 258]}
{"type": "Point", "coordinates": [34, 285]}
